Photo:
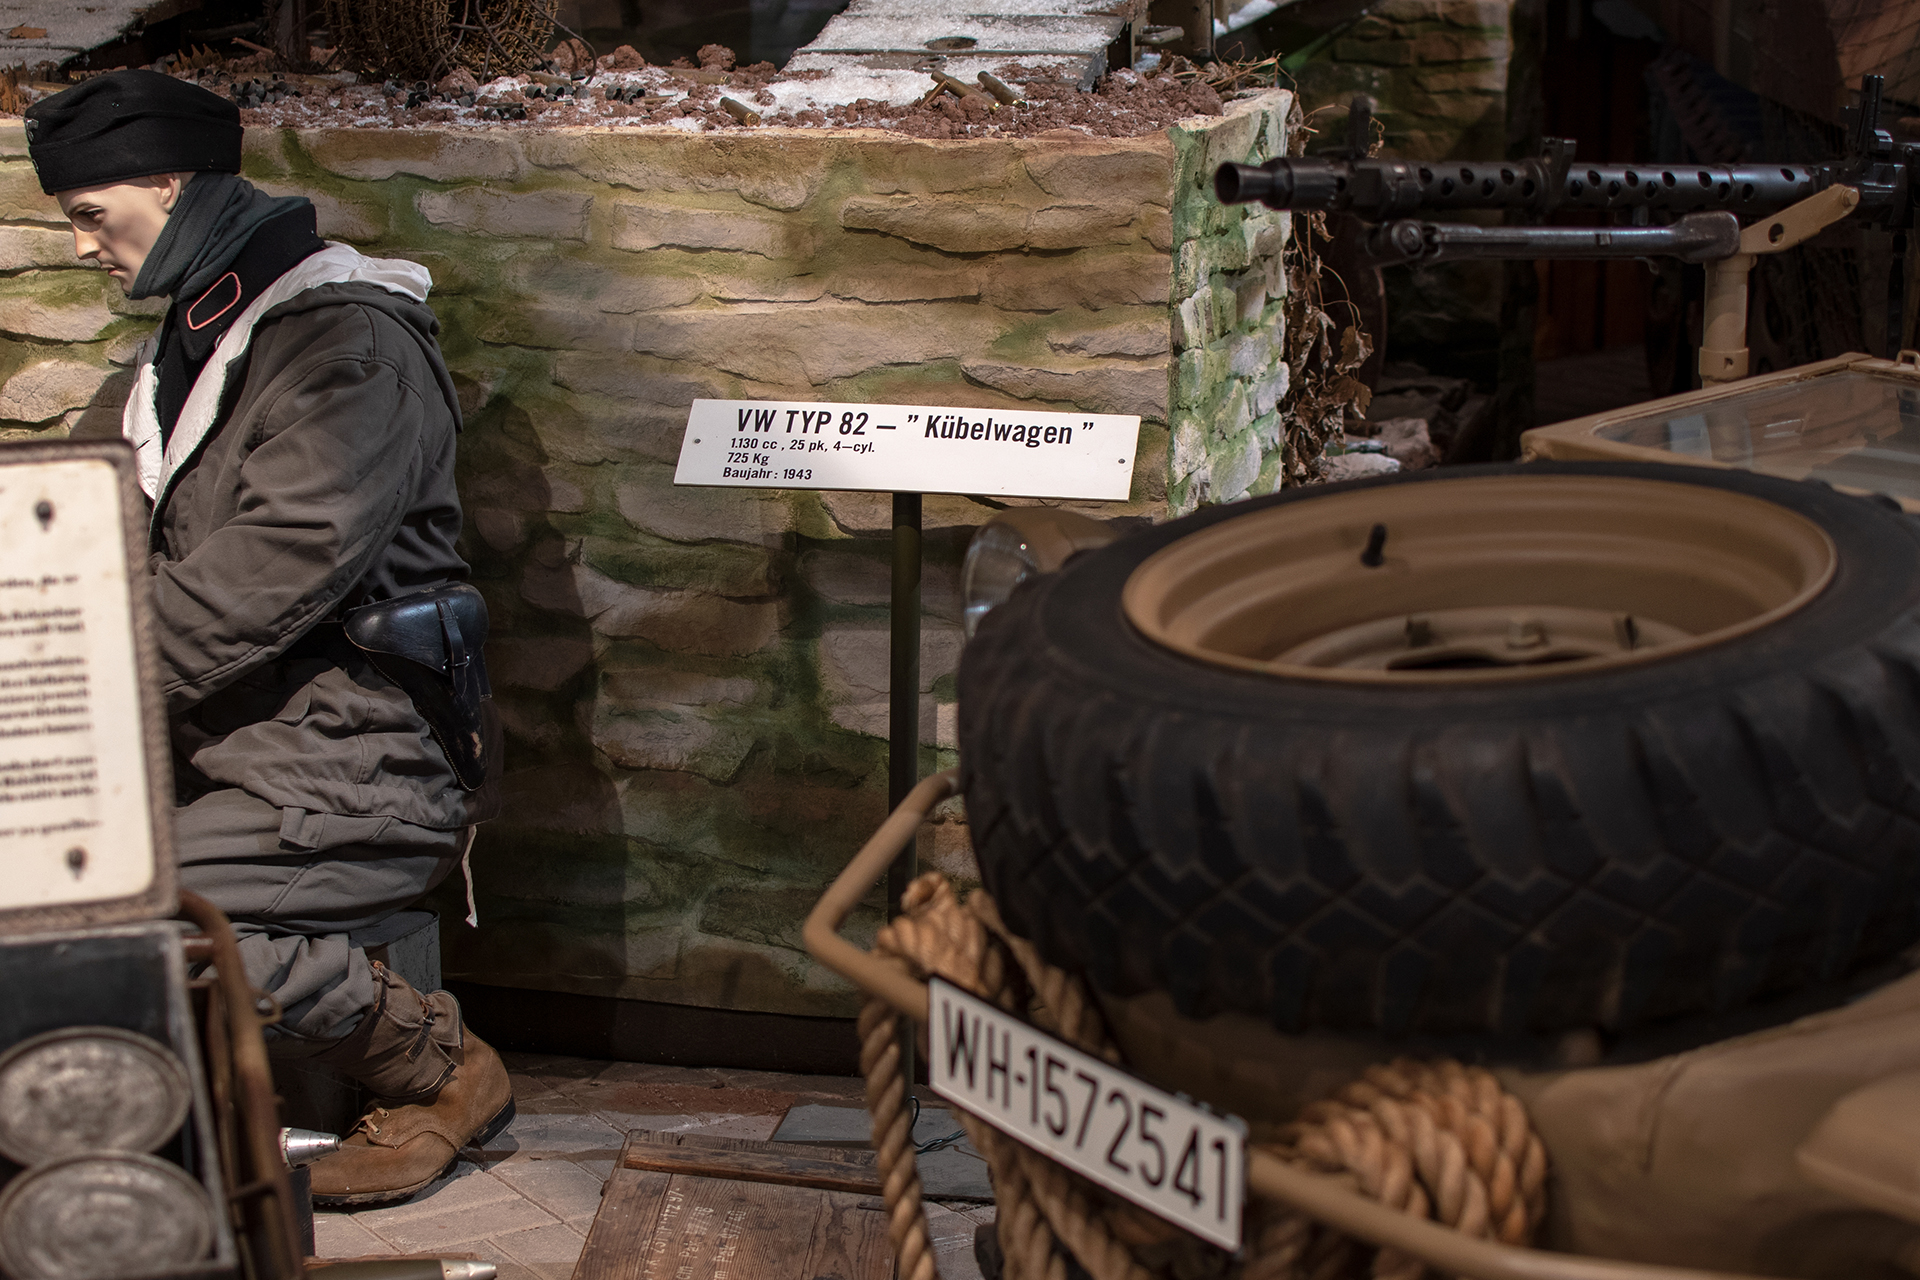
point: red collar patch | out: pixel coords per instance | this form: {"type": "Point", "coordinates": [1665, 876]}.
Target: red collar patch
{"type": "Point", "coordinates": [215, 302]}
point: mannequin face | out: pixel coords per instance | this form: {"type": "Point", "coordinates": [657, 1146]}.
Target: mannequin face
{"type": "Point", "coordinates": [116, 225]}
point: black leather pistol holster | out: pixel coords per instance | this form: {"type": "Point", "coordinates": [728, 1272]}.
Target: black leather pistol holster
{"type": "Point", "coordinates": [429, 644]}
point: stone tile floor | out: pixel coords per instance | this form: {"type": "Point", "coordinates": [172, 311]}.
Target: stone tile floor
{"type": "Point", "coordinates": [526, 1202]}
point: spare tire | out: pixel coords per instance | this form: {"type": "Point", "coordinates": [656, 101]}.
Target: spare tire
{"type": "Point", "coordinates": [1486, 749]}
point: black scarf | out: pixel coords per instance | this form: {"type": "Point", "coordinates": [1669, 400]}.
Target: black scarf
{"type": "Point", "coordinates": [195, 323]}
{"type": "Point", "coordinates": [211, 223]}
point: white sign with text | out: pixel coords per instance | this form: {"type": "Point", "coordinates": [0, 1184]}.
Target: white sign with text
{"type": "Point", "coordinates": [74, 812]}
{"type": "Point", "coordinates": [771, 444]}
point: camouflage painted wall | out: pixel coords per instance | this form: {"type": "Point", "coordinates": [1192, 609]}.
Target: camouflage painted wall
{"type": "Point", "coordinates": [694, 681]}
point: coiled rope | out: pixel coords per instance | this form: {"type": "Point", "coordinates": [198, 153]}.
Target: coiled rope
{"type": "Point", "coordinates": [1435, 1140]}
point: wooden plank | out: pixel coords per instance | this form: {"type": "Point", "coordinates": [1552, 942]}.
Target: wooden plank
{"type": "Point", "coordinates": [746, 1231]}
{"type": "Point", "coordinates": [950, 1173]}
{"type": "Point", "coordinates": [616, 1247]}
{"type": "Point", "coordinates": [716, 1142]}
{"type": "Point", "coordinates": [849, 1239]}
{"type": "Point", "coordinates": [745, 1160]}
{"type": "Point", "coordinates": [673, 1225]}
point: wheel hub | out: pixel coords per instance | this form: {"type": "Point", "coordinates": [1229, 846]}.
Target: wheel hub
{"type": "Point", "coordinates": [1485, 578]}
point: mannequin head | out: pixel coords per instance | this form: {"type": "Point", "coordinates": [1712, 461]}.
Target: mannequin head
{"type": "Point", "coordinates": [116, 224]}
{"type": "Point", "coordinates": [117, 149]}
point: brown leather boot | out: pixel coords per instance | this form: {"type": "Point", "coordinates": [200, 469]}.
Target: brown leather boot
{"type": "Point", "coordinates": [440, 1088]}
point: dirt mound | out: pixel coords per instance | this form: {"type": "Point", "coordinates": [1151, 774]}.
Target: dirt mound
{"type": "Point", "coordinates": [621, 89]}
{"type": "Point", "coordinates": [1122, 105]}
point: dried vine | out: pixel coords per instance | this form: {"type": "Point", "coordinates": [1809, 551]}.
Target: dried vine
{"type": "Point", "coordinates": [426, 39]}
{"type": "Point", "coordinates": [1228, 77]}
{"type": "Point", "coordinates": [1321, 387]}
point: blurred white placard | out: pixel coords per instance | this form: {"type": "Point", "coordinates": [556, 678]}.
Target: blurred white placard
{"type": "Point", "coordinates": [75, 816]}
{"type": "Point", "coordinates": [771, 444]}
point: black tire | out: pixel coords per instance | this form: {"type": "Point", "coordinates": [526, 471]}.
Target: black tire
{"type": "Point", "coordinates": [1602, 850]}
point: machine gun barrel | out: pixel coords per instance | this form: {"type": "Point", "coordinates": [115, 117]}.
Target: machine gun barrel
{"type": "Point", "coordinates": [1697, 237]}
{"type": "Point", "coordinates": [1376, 190]}
{"type": "Point", "coordinates": [1690, 212]}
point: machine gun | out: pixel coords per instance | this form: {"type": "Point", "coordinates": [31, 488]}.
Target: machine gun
{"type": "Point", "coordinates": [1689, 212]}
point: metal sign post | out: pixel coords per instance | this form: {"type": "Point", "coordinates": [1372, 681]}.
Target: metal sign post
{"type": "Point", "coordinates": [903, 683]}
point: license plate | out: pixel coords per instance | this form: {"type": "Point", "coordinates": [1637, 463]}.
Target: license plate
{"type": "Point", "coordinates": [1165, 1154]}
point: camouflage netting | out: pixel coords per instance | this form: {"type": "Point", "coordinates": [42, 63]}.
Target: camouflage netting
{"type": "Point", "coordinates": [427, 39]}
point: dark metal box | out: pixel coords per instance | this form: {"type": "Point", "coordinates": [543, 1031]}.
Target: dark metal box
{"type": "Point", "coordinates": [133, 977]}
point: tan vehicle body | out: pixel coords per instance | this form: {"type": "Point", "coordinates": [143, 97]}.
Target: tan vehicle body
{"type": "Point", "coordinates": [1793, 1151]}
{"type": "Point", "coordinates": [1795, 455]}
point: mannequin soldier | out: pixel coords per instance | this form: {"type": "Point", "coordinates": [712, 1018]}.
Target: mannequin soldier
{"type": "Point", "coordinates": [294, 425]}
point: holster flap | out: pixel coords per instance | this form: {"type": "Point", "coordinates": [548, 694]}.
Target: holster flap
{"type": "Point", "coordinates": [429, 644]}
{"type": "Point", "coordinates": [412, 627]}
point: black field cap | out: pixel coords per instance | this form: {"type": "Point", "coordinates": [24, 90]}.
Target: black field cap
{"type": "Point", "coordinates": [128, 124]}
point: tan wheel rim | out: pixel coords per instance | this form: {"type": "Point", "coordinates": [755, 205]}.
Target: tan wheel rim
{"type": "Point", "coordinates": [1490, 578]}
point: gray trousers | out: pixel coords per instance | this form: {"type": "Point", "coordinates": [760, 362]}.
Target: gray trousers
{"type": "Point", "coordinates": [295, 884]}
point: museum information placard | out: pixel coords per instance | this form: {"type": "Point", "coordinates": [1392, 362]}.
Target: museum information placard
{"type": "Point", "coordinates": [76, 809]}
{"type": "Point", "coordinates": [772, 444]}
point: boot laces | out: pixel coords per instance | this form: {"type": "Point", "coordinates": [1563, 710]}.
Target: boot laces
{"type": "Point", "coordinates": [371, 1121]}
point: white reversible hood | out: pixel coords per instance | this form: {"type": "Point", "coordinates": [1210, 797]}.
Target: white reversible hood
{"type": "Point", "coordinates": [140, 423]}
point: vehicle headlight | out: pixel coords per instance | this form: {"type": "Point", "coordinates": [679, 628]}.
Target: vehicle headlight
{"type": "Point", "coordinates": [1021, 543]}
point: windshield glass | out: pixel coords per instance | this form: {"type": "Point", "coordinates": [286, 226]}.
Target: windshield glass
{"type": "Point", "coordinates": [1853, 428]}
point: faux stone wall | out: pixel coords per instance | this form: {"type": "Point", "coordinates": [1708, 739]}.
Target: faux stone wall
{"type": "Point", "coordinates": [694, 680]}
{"type": "Point", "coordinates": [1437, 68]}
{"type": "Point", "coordinates": [64, 332]}
{"type": "Point", "coordinates": [1228, 285]}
